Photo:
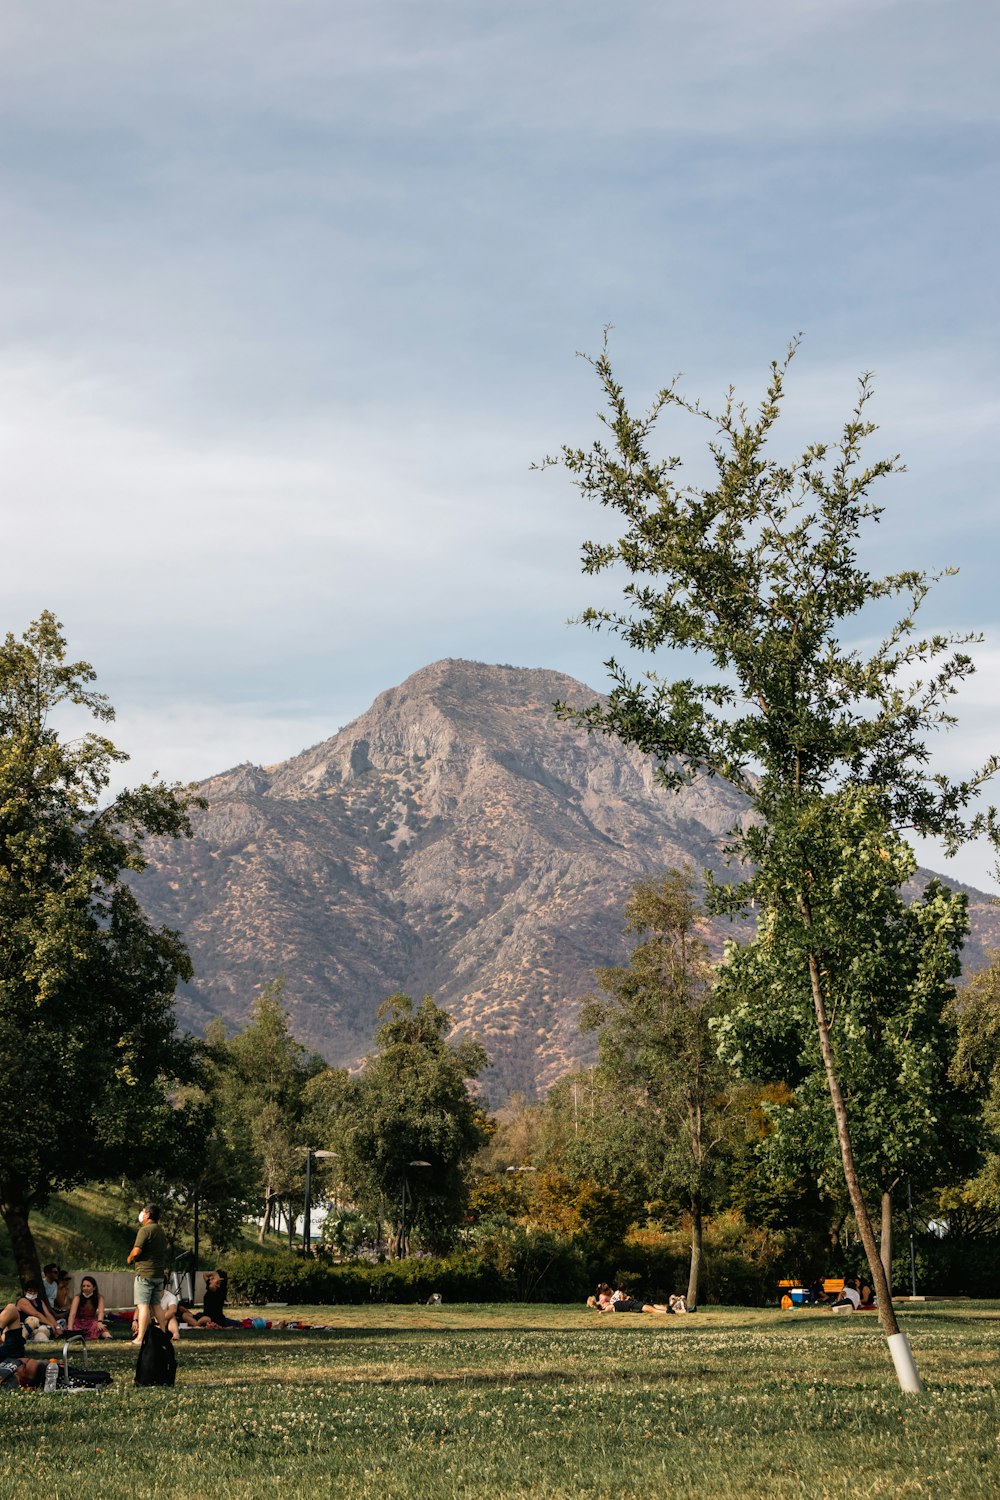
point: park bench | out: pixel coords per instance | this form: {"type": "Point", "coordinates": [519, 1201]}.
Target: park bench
{"type": "Point", "coordinates": [793, 1293]}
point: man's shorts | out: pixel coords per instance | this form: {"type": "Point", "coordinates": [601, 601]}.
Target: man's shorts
{"type": "Point", "coordinates": [147, 1291]}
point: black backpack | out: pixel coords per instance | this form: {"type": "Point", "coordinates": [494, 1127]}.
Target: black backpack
{"type": "Point", "coordinates": [157, 1362]}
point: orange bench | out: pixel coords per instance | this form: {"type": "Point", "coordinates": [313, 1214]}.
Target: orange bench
{"type": "Point", "coordinates": [832, 1287]}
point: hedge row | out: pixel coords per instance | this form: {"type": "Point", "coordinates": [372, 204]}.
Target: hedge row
{"type": "Point", "coordinates": [459, 1278]}
{"type": "Point", "coordinates": [546, 1268]}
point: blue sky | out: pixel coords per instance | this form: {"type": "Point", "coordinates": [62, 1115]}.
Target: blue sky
{"type": "Point", "coordinates": [290, 294]}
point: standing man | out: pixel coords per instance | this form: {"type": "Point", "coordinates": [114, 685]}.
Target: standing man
{"type": "Point", "coordinates": [149, 1256]}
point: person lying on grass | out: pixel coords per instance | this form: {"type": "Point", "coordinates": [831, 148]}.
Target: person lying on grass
{"type": "Point", "coordinates": [608, 1301]}
{"type": "Point", "coordinates": [22, 1374]}
{"type": "Point", "coordinates": [86, 1313]}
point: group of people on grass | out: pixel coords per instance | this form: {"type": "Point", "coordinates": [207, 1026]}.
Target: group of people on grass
{"type": "Point", "coordinates": [608, 1300]}
{"type": "Point", "coordinates": [33, 1319]}
{"type": "Point", "coordinates": [48, 1311]}
{"type": "Point", "coordinates": [855, 1296]}
{"type": "Point", "coordinates": [153, 1299]}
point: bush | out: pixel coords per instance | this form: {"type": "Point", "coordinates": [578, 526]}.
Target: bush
{"type": "Point", "coordinates": [742, 1264]}
{"type": "Point", "coordinates": [513, 1265]}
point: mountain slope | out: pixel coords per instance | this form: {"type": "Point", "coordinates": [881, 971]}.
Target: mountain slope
{"type": "Point", "coordinates": [456, 839]}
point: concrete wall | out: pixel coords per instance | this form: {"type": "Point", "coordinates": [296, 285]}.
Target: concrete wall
{"type": "Point", "coordinates": [117, 1286]}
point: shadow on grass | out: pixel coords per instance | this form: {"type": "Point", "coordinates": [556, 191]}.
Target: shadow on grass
{"type": "Point", "coordinates": [503, 1379]}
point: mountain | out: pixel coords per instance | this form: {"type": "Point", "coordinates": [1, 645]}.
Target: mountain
{"type": "Point", "coordinates": [457, 839]}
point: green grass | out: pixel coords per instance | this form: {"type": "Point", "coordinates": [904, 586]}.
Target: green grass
{"type": "Point", "coordinates": [511, 1402]}
{"type": "Point", "coordinates": [75, 1229]}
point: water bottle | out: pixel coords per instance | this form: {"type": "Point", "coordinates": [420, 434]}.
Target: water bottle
{"type": "Point", "coordinates": [52, 1375]}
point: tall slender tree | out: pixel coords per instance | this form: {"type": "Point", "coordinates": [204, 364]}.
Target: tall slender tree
{"type": "Point", "coordinates": [261, 1077]}
{"type": "Point", "coordinates": [658, 1054]}
{"type": "Point", "coordinates": [757, 572]}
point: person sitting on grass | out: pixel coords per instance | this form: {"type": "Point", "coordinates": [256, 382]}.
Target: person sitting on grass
{"type": "Point", "coordinates": [214, 1305]}
{"type": "Point", "coordinates": [86, 1314]}
{"type": "Point", "coordinates": [11, 1332]}
{"type": "Point", "coordinates": [35, 1315]}
{"type": "Point", "coordinates": [866, 1294]}
{"type": "Point", "coordinates": [850, 1298]}
{"type": "Point", "coordinates": [64, 1297]}
{"type": "Point", "coordinates": [176, 1313]}
{"type": "Point", "coordinates": [50, 1283]}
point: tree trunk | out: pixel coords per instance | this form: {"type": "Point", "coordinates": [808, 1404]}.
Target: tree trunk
{"type": "Point", "coordinates": [265, 1226]}
{"type": "Point", "coordinates": [694, 1275]}
{"type": "Point", "coordinates": [886, 1314]}
{"type": "Point", "coordinates": [14, 1210]}
{"type": "Point", "coordinates": [885, 1239]}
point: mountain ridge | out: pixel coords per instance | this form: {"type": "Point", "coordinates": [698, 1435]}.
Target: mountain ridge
{"type": "Point", "coordinates": [455, 839]}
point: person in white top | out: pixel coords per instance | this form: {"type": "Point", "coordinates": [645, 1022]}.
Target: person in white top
{"type": "Point", "coordinates": [849, 1300]}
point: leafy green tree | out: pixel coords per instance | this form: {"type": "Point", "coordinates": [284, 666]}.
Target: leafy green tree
{"type": "Point", "coordinates": [658, 1055]}
{"type": "Point", "coordinates": [204, 1163]}
{"type": "Point", "coordinates": [262, 1076]}
{"type": "Point", "coordinates": [895, 964]}
{"type": "Point", "coordinates": [86, 982]}
{"type": "Point", "coordinates": [411, 1105]}
{"type": "Point", "coordinates": [757, 572]}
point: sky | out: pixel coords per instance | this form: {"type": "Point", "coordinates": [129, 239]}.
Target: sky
{"type": "Point", "coordinates": [291, 293]}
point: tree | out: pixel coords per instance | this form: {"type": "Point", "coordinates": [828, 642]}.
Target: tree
{"type": "Point", "coordinates": [658, 1055]}
{"type": "Point", "coordinates": [204, 1166]}
{"type": "Point", "coordinates": [262, 1073]}
{"type": "Point", "coordinates": [409, 1127]}
{"type": "Point", "coordinates": [895, 964]}
{"type": "Point", "coordinates": [758, 572]}
{"type": "Point", "coordinates": [86, 982]}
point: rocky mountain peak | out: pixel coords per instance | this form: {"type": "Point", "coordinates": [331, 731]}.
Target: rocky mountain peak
{"type": "Point", "coordinates": [456, 839]}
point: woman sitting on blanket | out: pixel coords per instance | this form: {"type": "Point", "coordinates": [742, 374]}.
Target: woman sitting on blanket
{"type": "Point", "coordinates": [86, 1313]}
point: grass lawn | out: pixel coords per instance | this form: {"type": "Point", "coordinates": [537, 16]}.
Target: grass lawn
{"type": "Point", "coordinates": [499, 1401]}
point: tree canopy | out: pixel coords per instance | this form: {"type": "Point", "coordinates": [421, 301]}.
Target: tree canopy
{"type": "Point", "coordinates": [408, 1126]}
{"type": "Point", "coordinates": [658, 1055]}
{"type": "Point", "coordinates": [86, 981]}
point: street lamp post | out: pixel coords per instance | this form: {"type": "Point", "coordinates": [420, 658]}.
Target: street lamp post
{"type": "Point", "coordinates": [402, 1227]}
{"type": "Point", "coordinates": [194, 1253]}
{"type": "Point", "coordinates": [306, 1225]}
